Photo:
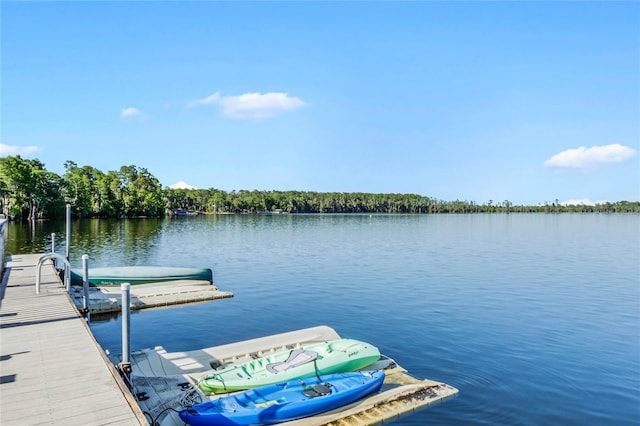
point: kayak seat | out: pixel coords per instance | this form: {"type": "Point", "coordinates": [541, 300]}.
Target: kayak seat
{"type": "Point", "coordinates": [318, 390]}
{"type": "Point", "coordinates": [296, 357]}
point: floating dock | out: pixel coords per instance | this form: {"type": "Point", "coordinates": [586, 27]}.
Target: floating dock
{"type": "Point", "coordinates": [165, 382]}
{"type": "Point", "coordinates": [108, 299]}
{"type": "Point", "coordinates": [52, 370]}
{"type": "Point", "coordinates": [47, 349]}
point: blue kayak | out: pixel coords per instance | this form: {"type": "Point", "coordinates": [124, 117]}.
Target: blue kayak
{"type": "Point", "coordinates": [286, 401]}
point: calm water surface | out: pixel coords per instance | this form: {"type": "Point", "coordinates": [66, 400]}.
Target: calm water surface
{"type": "Point", "coordinates": [534, 318]}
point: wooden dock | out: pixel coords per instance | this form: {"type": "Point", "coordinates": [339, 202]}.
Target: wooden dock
{"type": "Point", "coordinates": [52, 370]}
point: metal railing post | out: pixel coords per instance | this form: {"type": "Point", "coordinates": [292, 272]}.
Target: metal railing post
{"type": "Point", "coordinates": [67, 275]}
{"type": "Point", "coordinates": [85, 284]}
{"type": "Point", "coordinates": [53, 247]}
{"type": "Point", "coordinates": [68, 234]}
{"type": "Point", "coordinates": [125, 365]}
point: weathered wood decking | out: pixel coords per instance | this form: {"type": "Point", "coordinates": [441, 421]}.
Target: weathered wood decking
{"type": "Point", "coordinates": [52, 370]}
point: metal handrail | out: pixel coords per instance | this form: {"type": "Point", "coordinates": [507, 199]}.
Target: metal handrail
{"type": "Point", "coordinates": [67, 269]}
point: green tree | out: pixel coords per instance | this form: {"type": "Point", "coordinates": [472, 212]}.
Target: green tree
{"type": "Point", "coordinates": [47, 195]}
{"type": "Point", "coordinates": [109, 190]}
{"type": "Point", "coordinates": [141, 192]}
{"type": "Point", "coordinates": [83, 190]}
{"type": "Point", "coordinates": [27, 189]}
{"type": "Point", "coordinates": [15, 176]}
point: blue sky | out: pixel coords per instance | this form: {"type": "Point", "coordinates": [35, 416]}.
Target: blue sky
{"type": "Point", "coordinates": [522, 101]}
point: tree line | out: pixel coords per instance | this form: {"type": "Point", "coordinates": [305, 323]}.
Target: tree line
{"type": "Point", "coordinates": [29, 191]}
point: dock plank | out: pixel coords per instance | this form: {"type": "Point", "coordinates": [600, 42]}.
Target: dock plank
{"type": "Point", "coordinates": [53, 372]}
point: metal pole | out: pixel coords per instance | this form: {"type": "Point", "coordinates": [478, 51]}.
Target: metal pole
{"type": "Point", "coordinates": [53, 247]}
{"type": "Point", "coordinates": [126, 335]}
{"type": "Point", "coordinates": [67, 275]}
{"type": "Point", "coordinates": [85, 284]}
{"type": "Point", "coordinates": [68, 236]}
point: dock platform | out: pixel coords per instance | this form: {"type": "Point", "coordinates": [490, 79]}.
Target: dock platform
{"type": "Point", "coordinates": [52, 370]}
{"type": "Point", "coordinates": [165, 382]}
{"type": "Point", "coordinates": [108, 299]}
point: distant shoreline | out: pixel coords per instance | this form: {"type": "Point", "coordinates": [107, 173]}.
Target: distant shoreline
{"type": "Point", "coordinates": [29, 192]}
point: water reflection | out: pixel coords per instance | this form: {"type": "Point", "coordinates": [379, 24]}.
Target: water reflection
{"type": "Point", "coordinates": [534, 318]}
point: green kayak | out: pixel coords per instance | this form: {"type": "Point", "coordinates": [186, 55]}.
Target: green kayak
{"type": "Point", "coordinates": [140, 275]}
{"type": "Point", "coordinates": [337, 356]}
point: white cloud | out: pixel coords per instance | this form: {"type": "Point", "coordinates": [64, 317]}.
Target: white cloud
{"type": "Point", "coordinates": [586, 158]}
{"type": "Point", "coordinates": [130, 112]}
{"type": "Point", "coordinates": [582, 202]}
{"type": "Point", "coordinates": [7, 150]}
{"type": "Point", "coordinates": [211, 99]}
{"type": "Point", "coordinates": [182, 185]}
{"type": "Point", "coordinates": [252, 105]}
{"type": "Point", "coordinates": [585, 202]}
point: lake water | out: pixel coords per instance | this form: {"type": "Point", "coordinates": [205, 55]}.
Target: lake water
{"type": "Point", "coordinates": [535, 318]}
